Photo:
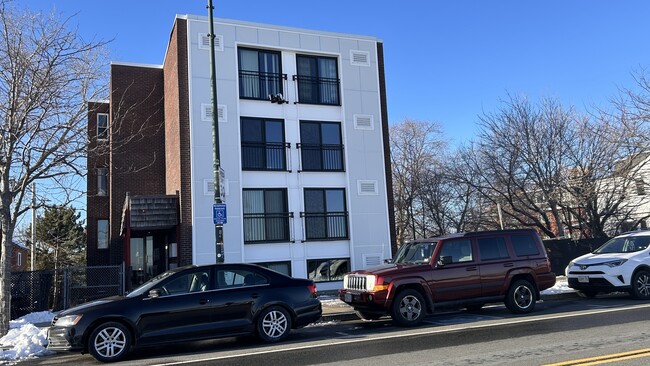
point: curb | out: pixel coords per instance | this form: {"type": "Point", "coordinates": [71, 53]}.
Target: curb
{"type": "Point", "coordinates": [351, 315]}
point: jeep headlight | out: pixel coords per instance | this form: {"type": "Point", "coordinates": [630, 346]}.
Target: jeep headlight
{"type": "Point", "coordinates": [615, 263]}
{"type": "Point", "coordinates": [67, 321]}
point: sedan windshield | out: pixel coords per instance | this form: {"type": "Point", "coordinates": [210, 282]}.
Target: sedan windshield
{"type": "Point", "coordinates": [150, 284]}
{"type": "Point", "coordinates": [624, 245]}
{"type": "Point", "coordinates": [415, 252]}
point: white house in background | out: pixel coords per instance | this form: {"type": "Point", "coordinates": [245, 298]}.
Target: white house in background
{"type": "Point", "coordinates": [303, 143]}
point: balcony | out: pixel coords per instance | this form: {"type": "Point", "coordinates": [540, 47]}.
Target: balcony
{"type": "Point", "coordinates": [268, 227]}
{"type": "Point", "coordinates": [317, 90]}
{"type": "Point", "coordinates": [321, 158]}
{"type": "Point", "coordinates": [265, 156]}
{"type": "Point", "coordinates": [258, 85]}
{"type": "Point", "coordinates": [325, 225]}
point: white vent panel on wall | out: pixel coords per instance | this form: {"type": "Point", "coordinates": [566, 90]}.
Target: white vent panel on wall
{"type": "Point", "coordinates": [206, 112]}
{"type": "Point", "coordinates": [204, 42]}
{"type": "Point", "coordinates": [367, 187]}
{"type": "Point", "coordinates": [364, 122]}
{"type": "Point", "coordinates": [371, 260]}
{"type": "Point", "coordinates": [208, 187]}
{"type": "Point", "coordinates": [359, 58]}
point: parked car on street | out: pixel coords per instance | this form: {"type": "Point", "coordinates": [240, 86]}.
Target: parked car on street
{"type": "Point", "coordinates": [621, 264]}
{"type": "Point", "coordinates": [459, 270]}
{"type": "Point", "coordinates": [185, 304]}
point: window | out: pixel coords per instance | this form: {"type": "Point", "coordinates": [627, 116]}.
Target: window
{"type": "Point", "coordinates": [102, 181]}
{"type": "Point", "coordinates": [102, 234]}
{"type": "Point", "coordinates": [102, 126]}
{"type": "Point", "coordinates": [324, 270]}
{"type": "Point", "coordinates": [228, 278]}
{"type": "Point", "coordinates": [640, 187]}
{"type": "Point", "coordinates": [325, 214]}
{"type": "Point", "coordinates": [186, 283]}
{"type": "Point", "coordinates": [456, 251]}
{"type": "Point", "coordinates": [524, 245]}
{"type": "Point", "coordinates": [266, 216]}
{"type": "Point", "coordinates": [263, 146]}
{"type": "Point", "coordinates": [320, 147]}
{"type": "Point", "coordinates": [259, 73]}
{"type": "Point", "coordinates": [318, 81]}
{"type": "Point", "coordinates": [282, 267]}
{"type": "Point", "coordinates": [493, 248]}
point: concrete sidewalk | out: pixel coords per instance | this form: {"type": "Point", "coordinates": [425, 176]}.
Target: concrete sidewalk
{"type": "Point", "coordinates": [335, 309]}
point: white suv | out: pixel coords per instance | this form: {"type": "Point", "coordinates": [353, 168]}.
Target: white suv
{"type": "Point", "coordinates": [621, 264]}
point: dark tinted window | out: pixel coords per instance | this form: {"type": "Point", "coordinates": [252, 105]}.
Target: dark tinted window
{"type": "Point", "coordinates": [458, 251]}
{"type": "Point", "coordinates": [524, 245]}
{"type": "Point", "coordinates": [492, 248]}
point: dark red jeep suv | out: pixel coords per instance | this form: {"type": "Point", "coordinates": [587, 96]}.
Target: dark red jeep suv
{"type": "Point", "coordinates": [458, 270]}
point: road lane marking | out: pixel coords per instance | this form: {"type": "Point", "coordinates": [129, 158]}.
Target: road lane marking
{"type": "Point", "coordinates": [405, 334]}
{"type": "Point", "coordinates": [599, 360]}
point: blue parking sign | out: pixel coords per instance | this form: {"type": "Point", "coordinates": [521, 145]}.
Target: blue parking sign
{"type": "Point", "coordinates": [219, 215]}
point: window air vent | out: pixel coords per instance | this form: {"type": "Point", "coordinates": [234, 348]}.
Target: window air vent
{"type": "Point", "coordinates": [359, 58]}
{"type": "Point", "coordinates": [367, 187]}
{"type": "Point", "coordinates": [204, 42]}
{"type": "Point", "coordinates": [206, 112]}
{"type": "Point", "coordinates": [371, 260]}
{"type": "Point", "coordinates": [364, 122]}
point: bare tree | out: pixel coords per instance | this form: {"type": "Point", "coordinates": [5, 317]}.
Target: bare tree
{"type": "Point", "coordinates": [415, 149]}
{"type": "Point", "coordinates": [47, 75]}
{"type": "Point", "coordinates": [519, 159]}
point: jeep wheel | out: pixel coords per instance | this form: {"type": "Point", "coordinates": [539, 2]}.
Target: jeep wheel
{"type": "Point", "coordinates": [408, 308]}
{"type": "Point", "coordinates": [521, 297]}
{"type": "Point", "coordinates": [641, 285]}
{"type": "Point", "coordinates": [364, 315]}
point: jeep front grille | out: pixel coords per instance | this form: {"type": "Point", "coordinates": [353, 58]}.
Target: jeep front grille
{"type": "Point", "coordinates": [357, 282]}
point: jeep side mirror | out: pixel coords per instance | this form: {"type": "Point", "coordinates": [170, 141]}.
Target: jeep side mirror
{"type": "Point", "coordinates": [444, 260]}
{"type": "Point", "coordinates": [389, 260]}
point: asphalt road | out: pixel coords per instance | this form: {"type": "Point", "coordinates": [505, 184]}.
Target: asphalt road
{"type": "Point", "coordinates": [556, 332]}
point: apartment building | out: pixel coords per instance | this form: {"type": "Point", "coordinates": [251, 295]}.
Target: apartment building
{"type": "Point", "coordinates": [303, 130]}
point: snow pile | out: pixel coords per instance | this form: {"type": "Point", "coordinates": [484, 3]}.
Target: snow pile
{"type": "Point", "coordinates": [24, 338]}
{"type": "Point", "coordinates": [561, 287]}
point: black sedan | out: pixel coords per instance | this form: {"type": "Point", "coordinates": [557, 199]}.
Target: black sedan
{"type": "Point", "coordinates": [186, 304]}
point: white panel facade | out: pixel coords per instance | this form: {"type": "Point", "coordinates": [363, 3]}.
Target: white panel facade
{"type": "Point", "coordinates": [367, 222]}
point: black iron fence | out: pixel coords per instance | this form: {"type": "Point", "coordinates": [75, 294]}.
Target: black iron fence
{"type": "Point", "coordinates": [61, 289]}
{"type": "Point", "coordinates": [562, 251]}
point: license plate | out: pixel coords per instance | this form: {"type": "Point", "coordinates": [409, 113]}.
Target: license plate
{"type": "Point", "coordinates": [583, 279]}
{"type": "Point", "coordinates": [347, 297]}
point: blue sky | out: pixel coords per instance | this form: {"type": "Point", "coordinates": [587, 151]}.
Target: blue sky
{"type": "Point", "coordinates": [447, 61]}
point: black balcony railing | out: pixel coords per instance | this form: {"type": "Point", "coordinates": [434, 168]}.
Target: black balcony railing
{"type": "Point", "coordinates": [325, 225]}
{"type": "Point", "coordinates": [267, 227]}
{"type": "Point", "coordinates": [264, 155]}
{"type": "Point", "coordinates": [258, 85]}
{"type": "Point", "coordinates": [318, 90]}
{"type": "Point", "coordinates": [316, 157]}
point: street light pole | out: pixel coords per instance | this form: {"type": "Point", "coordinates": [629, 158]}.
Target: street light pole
{"type": "Point", "coordinates": [218, 228]}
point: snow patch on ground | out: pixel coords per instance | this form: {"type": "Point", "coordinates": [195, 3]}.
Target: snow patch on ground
{"type": "Point", "coordinates": [24, 339]}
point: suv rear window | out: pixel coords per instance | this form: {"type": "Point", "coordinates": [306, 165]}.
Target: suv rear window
{"type": "Point", "coordinates": [492, 248]}
{"type": "Point", "coordinates": [524, 245]}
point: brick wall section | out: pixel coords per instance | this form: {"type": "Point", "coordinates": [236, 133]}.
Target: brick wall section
{"type": "Point", "coordinates": [137, 157]}
{"type": "Point", "coordinates": [177, 133]}
{"type": "Point", "coordinates": [387, 162]}
{"type": "Point", "coordinates": [97, 207]}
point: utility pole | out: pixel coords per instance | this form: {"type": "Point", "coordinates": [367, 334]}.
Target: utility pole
{"type": "Point", "coordinates": [218, 227]}
{"type": "Point", "coordinates": [33, 256]}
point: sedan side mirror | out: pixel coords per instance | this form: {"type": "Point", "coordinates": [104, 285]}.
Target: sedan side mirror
{"type": "Point", "coordinates": [153, 293]}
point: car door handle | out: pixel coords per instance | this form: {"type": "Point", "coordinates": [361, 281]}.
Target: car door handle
{"type": "Point", "coordinates": [469, 269]}
{"type": "Point", "coordinates": [204, 301]}
{"type": "Point", "coordinates": [508, 264]}
{"type": "Point", "coordinates": [255, 296]}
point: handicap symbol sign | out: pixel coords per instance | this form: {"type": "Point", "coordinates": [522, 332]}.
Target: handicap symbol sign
{"type": "Point", "coordinates": [219, 215]}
